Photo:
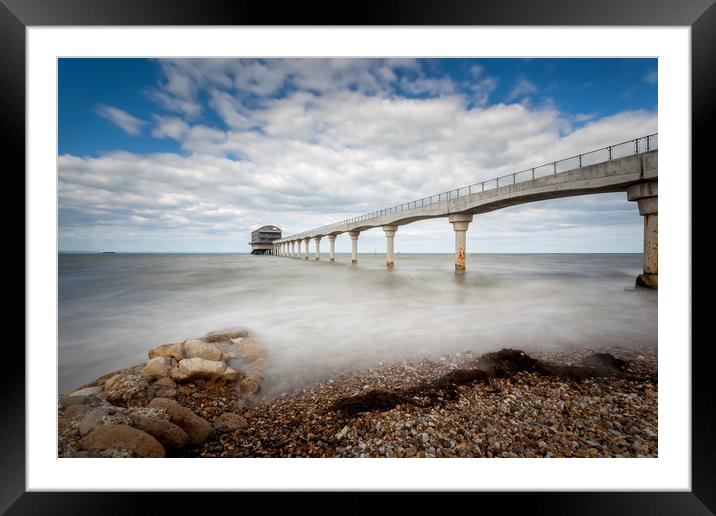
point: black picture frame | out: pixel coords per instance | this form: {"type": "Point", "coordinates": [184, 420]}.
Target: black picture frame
{"type": "Point", "coordinates": [700, 15]}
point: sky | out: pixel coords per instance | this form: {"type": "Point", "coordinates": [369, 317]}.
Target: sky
{"type": "Point", "coordinates": [191, 155]}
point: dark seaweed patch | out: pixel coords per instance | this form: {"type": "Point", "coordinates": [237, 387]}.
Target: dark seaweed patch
{"type": "Point", "coordinates": [500, 364]}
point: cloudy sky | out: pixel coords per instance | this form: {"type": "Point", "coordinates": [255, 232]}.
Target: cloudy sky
{"type": "Point", "coordinates": [191, 155]}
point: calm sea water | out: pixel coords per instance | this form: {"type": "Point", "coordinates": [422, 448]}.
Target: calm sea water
{"type": "Point", "coordinates": [313, 316]}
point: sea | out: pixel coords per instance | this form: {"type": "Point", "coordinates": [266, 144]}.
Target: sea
{"type": "Point", "coordinates": [315, 317]}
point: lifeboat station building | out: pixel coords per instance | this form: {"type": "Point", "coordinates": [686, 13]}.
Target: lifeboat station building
{"type": "Point", "coordinates": [262, 240]}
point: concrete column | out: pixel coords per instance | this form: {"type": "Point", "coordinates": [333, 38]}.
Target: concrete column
{"type": "Point", "coordinates": [354, 245]}
{"type": "Point", "coordinates": [306, 241]}
{"type": "Point", "coordinates": [460, 222]}
{"type": "Point", "coordinates": [318, 247]}
{"type": "Point", "coordinates": [389, 248]}
{"type": "Point", "coordinates": [293, 248]}
{"type": "Point", "coordinates": [647, 197]}
{"type": "Point", "coordinates": [299, 247]}
{"type": "Point", "coordinates": [332, 242]}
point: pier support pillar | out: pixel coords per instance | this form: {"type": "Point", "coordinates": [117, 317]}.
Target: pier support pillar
{"type": "Point", "coordinates": [647, 197]}
{"type": "Point", "coordinates": [318, 247]}
{"type": "Point", "coordinates": [299, 248]}
{"type": "Point", "coordinates": [305, 253]}
{"type": "Point", "coordinates": [389, 245]}
{"type": "Point", "coordinates": [293, 248]}
{"type": "Point", "coordinates": [332, 242]}
{"type": "Point", "coordinates": [354, 245]}
{"type": "Point", "coordinates": [460, 222]}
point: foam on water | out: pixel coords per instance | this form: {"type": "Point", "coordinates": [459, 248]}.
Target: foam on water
{"type": "Point", "coordinates": [314, 316]}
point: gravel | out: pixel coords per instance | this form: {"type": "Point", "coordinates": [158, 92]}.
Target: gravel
{"type": "Point", "coordinates": [524, 415]}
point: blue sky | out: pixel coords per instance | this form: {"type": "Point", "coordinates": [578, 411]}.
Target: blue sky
{"type": "Point", "coordinates": [192, 154]}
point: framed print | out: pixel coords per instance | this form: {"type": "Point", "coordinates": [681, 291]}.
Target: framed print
{"type": "Point", "coordinates": [435, 228]}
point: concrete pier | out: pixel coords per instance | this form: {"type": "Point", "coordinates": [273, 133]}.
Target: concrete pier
{"type": "Point", "coordinates": [460, 222]}
{"type": "Point", "coordinates": [354, 245]}
{"type": "Point", "coordinates": [293, 248]}
{"type": "Point", "coordinates": [631, 167]}
{"type": "Point", "coordinates": [389, 244]}
{"type": "Point", "coordinates": [647, 197]}
{"type": "Point", "coordinates": [318, 247]}
{"type": "Point", "coordinates": [332, 242]}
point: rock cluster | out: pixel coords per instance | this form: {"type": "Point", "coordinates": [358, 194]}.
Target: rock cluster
{"type": "Point", "coordinates": [142, 411]}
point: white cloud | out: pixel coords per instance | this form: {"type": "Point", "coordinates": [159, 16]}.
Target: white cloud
{"type": "Point", "coordinates": [583, 117]}
{"type": "Point", "coordinates": [309, 158]}
{"type": "Point", "coordinates": [651, 77]}
{"type": "Point", "coordinates": [121, 119]}
{"type": "Point", "coordinates": [170, 127]}
{"type": "Point", "coordinates": [522, 88]}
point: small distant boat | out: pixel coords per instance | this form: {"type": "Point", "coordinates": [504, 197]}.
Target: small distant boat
{"type": "Point", "coordinates": [109, 252]}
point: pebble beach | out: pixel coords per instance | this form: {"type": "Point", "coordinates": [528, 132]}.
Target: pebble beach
{"type": "Point", "coordinates": [503, 404]}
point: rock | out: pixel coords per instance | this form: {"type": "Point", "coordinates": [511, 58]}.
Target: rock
{"type": "Point", "coordinates": [87, 391]}
{"type": "Point", "coordinates": [165, 382]}
{"type": "Point", "coordinates": [75, 411]}
{"type": "Point", "coordinates": [166, 393]}
{"type": "Point", "coordinates": [157, 367]}
{"type": "Point", "coordinates": [117, 453]}
{"type": "Point", "coordinates": [252, 383]}
{"type": "Point", "coordinates": [63, 424]}
{"type": "Point", "coordinates": [169, 351]}
{"type": "Point", "coordinates": [228, 422]}
{"type": "Point", "coordinates": [186, 389]}
{"type": "Point", "coordinates": [166, 432]}
{"type": "Point", "coordinates": [92, 420]}
{"type": "Point", "coordinates": [252, 351]}
{"type": "Point", "coordinates": [194, 348]}
{"type": "Point", "coordinates": [222, 336]}
{"type": "Point", "coordinates": [67, 401]}
{"type": "Point", "coordinates": [127, 390]}
{"type": "Point", "coordinates": [99, 417]}
{"type": "Point", "coordinates": [191, 368]}
{"type": "Point", "coordinates": [197, 428]}
{"type": "Point", "coordinates": [122, 436]}
{"type": "Point", "coordinates": [230, 375]}
{"type": "Point", "coordinates": [153, 412]}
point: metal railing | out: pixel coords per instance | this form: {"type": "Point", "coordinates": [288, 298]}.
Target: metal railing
{"type": "Point", "coordinates": [618, 150]}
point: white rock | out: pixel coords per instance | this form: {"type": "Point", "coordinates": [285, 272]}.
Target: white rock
{"type": "Point", "coordinates": [198, 368]}
{"type": "Point", "coordinates": [87, 391]}
{"type": "Point", "coordinates": [230, 374]}
{"type": "Point", "coordinates": [194, 348]}
{"type": "Point", "coordinates": [157, 367]}
{"type": "Point", "coordinates": [169, 351]}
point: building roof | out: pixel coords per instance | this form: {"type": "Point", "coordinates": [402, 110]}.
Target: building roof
{"type": "Point", "coordinates": [268, 228]}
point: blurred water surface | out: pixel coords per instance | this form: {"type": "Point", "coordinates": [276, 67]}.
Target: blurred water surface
{"type": "Point", "coordinates": [313, 316]}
